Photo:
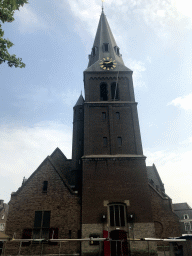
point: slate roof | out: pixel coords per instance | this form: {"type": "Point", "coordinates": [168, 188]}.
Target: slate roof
{"type": "Point", "coordinates": [181, 209]}
{"type": "Point", "coordinates": [181, 206]}
{"type": "Point", "coordinates": [61, 165]}
{"type": "Point", "coordinates": [153, 175]}
{"type": "Point", "coordinates": [64, 167]}
{"type": "Point", "coordinates": [104, 35]}
{"type": "Point", "coordinates": [80, 101]}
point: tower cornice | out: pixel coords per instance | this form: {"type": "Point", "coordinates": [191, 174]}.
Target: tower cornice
{"type": "Point", "coordinates": [113, 157]}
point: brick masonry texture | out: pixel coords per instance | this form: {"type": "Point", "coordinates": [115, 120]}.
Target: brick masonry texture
{"type": "Point", "coordinates": [64, 207]}
{"type": "Point", "coordinates": [166, 221]}
{"type": "Point", "coordinates": [87, 230]}
{"type": "Point", "coordinates": [142, 230]}
{"type": "Point", "coordinates": [103, 171]}
{"type": "Point", "coordinates": [115, 180]}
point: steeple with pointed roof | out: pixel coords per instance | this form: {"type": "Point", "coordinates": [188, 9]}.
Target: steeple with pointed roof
{"type": "Point", "coordinates": [80, 101]}
{"type": "Point", "coordinates": [105, 46]}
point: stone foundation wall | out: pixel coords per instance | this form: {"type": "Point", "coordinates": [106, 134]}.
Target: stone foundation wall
{"type": "Point", "coordinates": [87, 230]}
{"type": "Point", "coordinates": [136, 231]}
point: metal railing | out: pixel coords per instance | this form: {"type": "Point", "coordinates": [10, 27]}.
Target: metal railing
{"type": "Point", "coordinates": [117, 247]}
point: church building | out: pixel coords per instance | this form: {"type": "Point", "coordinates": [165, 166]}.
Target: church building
{"type": "Point", "coordinates": [105, 190]}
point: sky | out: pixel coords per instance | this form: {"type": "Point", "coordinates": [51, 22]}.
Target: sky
{"type": "Point", "coordinates": [54, 39]}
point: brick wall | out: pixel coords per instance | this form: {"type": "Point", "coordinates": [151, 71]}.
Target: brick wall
{"type": "Point", "coordinates": [166, 221]}
{"type": "Point", "coordinates": [115, 180]}
{"type": "Point", "coordinates": [64, 207]}
{"type": "Point", "coordinates": [126, 127]}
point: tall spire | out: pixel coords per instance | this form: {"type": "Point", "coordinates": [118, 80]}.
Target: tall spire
{"type": "Point", "coordinates": [104, 46]}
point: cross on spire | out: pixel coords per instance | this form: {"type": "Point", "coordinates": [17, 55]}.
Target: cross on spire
{"type": "Point", "coordinates": [102, 4]}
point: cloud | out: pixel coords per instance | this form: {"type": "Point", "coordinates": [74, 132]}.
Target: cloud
{"type": "Point", "coordinates": [183, 7]}
{"type": "Point", "coordinates": [161, 16]}
{"type": "Point", "coordinates": [70, 97]}
{"type": "Point", "coordinates": [174, 167]}
{"type": "Point", "coordinates": [23, 149]}
{"type": "Point", "coordinates": [149, 59]}
{"type": "Point", "coordinates": [138, 67]}
{"type": "Point", "coordinates": [43, 97]}
{"type": "Point", "coordinates": [87, 11]}
{"type": "Point", "coordinates": [184, 102]}
{"type": "Point", "coordinates": [28, 20]}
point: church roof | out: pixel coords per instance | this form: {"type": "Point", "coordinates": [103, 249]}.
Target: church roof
{"type": "Point", "coordinates": [80, 101]}
{"type": "Point", "coordinates": [104, 37]}
{"type": "Point", "coordinates": [61, 165]}
{"type": "Point", "coordinates": [153, 175]}
{"type": "Point", "coordinates": [181, 206]}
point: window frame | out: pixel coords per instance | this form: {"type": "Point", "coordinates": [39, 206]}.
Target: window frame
{"type": "Point", "coordinates": [45, 186]}
{"type": "Point", "coordinates": [103, 91]}
{"type": "Point", "coordinates": [104, 116]}
{"type": "Point", "coordinates": [119, 215]}
{"type": "Point", "coordinates": [94, 51]}
{"type": "Point", "coordinates": [115, 91]}
{"type": "Point", "coordinates": [185, 215]}
{"type": "Point", "coordinates": [2, 226]}
{"type": "Point", "coordinates": [187, 224]}
{"type": "Point", "coordinates": [119, 141]}
{"type": "Point", "coordinates": [42, 231]}
{"type": "Point", "coordinates": [105, 141]}
{"type": "Point", "coordinates": [117, 50]}
{"type": "Point", "coordinates": [104, 47]}
{"type": "Point", "coordinates": [117, 115]}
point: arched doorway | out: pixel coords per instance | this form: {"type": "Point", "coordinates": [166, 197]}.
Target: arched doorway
{"type": "Point", "coordinates": [119, 245]}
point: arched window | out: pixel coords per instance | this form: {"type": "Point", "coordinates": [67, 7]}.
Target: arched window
{"type": "Point", "coordinates": [103, 92]}
{"type": "Point", "coordinates": [114, 91]}
{"type": "Point", "coordinates": [117, 215]}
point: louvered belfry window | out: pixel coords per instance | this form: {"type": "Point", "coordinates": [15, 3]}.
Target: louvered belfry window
{"type": "Point", "coordinates": [103, 92]}
{"type": "Point", "coordinates": [117, 215]}
{"type": "Point", "coordinates": [41, 224]}
{"type": "Point", "coordinates": [106, 47]}
{"type": "Point", "coordinates": [114, 91]}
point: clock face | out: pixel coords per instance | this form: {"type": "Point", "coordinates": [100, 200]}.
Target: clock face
{"type": "Point", "coordinates": [108, 63]}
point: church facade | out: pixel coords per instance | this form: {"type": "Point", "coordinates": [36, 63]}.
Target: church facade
{"type": "Point", "coordinates": [105, 190]}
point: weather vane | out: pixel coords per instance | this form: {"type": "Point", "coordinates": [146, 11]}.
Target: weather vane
{"type": "Point", "coordinates": [102, 4]}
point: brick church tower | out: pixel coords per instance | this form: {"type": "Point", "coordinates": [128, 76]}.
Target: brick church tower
{"type": "Point", "coordinates": [115, 191]}
{"type": "Point", "coordinates": [105, 190]}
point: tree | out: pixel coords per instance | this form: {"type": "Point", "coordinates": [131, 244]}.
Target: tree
{"type": "Point", "coordinates": [7, 9]}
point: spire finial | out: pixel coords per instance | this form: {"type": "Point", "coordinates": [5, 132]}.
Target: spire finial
{"type": "Point", "coordinates": [102, 4]}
